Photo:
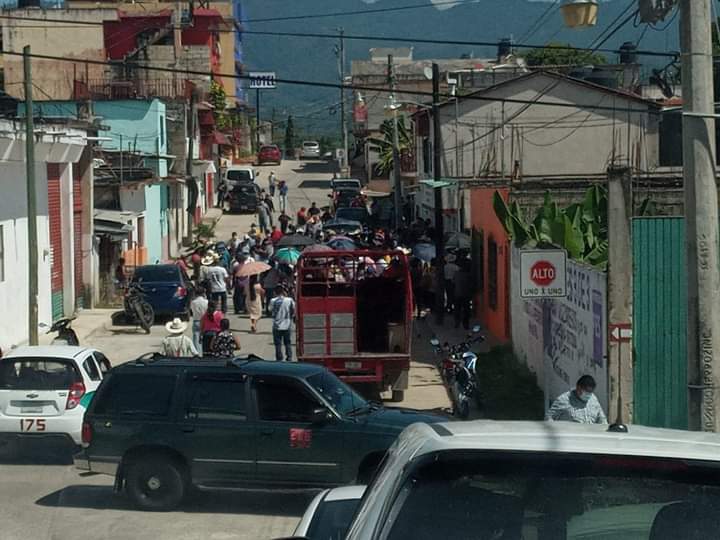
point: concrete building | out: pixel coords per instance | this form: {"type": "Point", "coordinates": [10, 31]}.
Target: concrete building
{"type": "Point", "coordinates": [62, 243]}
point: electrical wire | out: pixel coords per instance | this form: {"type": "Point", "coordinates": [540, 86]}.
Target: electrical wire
{"type": "Point", "coordinates": [352, 37]}
{"type": "Point", "coordinates": [600, 39]}
{"type": "Point", "coordinates": [538, 22]}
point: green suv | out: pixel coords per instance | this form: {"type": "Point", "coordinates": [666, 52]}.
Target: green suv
{"type": "Point", "coordinates": [161, 426]}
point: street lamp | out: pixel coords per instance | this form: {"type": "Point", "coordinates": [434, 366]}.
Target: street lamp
{"type": "Point", "coordinates": [579, 13]}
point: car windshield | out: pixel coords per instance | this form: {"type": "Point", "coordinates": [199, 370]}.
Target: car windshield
{"type": "Point", "coordinates": [346, 184]}
{"type": "Point", "coordinates": [268, 148]}
{"type": "Point", "coordinates": [331, 519]}
{"type": "Point", "coordinates": [159, 272]}
{"type": "Point", "coordinates": [239, 175]}
{"type": "Point", "coordinates": [343, 398]}
{"type": "Point", "coordinates": [493, 495]}
{"type": "Point", "coordinates": [37, 374]}
{"type": "Point", "coordinates": [310, 144]}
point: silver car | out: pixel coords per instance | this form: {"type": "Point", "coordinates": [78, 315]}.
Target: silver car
{"type": "Point", "coordinates": [330, 513]}
{"type": "Point", "coordinates": [514, 480]}
{"type": "Point", "coordinates": [310, 150]}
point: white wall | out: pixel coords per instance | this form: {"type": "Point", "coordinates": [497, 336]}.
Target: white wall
{"type": "Point", "coordinates": [68, 238]}
{"type": "Point", "coordinates": [562, 339]}
{"type": "Point", "coordinates": [13, 218]}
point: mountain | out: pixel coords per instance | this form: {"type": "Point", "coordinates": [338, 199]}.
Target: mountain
{"type": "Point", "coordinates": [313, 59]}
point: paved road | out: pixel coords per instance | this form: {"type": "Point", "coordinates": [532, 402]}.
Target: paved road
{"type": "Point", "coordinates": [42, 497]}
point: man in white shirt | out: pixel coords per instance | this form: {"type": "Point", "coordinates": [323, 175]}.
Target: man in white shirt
{"type": "Point", "coordinates": [198, 307]}
{"type": "Point", "coordinates": [450, 269]}
{"type": "Point", "coordinates": [218, 280]}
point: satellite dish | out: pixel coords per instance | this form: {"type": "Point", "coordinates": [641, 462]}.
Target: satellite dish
{"type": "Point", "coordinates": [428, 73]}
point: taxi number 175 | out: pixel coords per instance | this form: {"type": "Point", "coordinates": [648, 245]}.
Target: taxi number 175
{"type": "Point", "coordinates": [32, 424]}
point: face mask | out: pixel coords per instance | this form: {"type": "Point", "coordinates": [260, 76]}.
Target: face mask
{"type": "Point", "coordinates": [585, 396]}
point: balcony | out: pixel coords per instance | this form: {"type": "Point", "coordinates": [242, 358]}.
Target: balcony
{"type": "Point", "coordinates": [111, 89]}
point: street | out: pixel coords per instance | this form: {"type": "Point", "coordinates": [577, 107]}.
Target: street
{"type": "Point", "coordinates": [44, 497]}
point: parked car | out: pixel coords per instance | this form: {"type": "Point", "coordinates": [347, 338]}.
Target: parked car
{"type": "Point", "coordinates": [343, 227]}
{"type": "Point", "coordinates": [310, 150]}
{"type": "Point", "coordinates": [243, 198]}
{"type": "Point", "coordinates": [269, 153]}
{"type": "Point", "coordinates": [488, 479]}
{"type": "Point", "coordinates": [44, 391]}
{"type": "Point", "coordinates": [162, 426]}
{"type": "Point", "coordinates": [330, 513]}
{"type": "Point", "coordinates": [166, 287]}
{"type": "Point", "coordinates": [359, 213]}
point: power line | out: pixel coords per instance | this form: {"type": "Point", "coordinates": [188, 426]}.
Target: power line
{"type": "Point", "coordinates": [538, 22]}
{"type": "Point", "coordinates": [317, 84]}
{"type": "Point", "coordinates": [359, 37]}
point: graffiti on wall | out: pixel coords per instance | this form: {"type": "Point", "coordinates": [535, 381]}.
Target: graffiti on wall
{"type": "Point", "coordinates": [561, 339]}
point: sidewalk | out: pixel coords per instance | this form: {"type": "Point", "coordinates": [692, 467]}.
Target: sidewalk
{"type": "Point", "coordinates": [88, 322]}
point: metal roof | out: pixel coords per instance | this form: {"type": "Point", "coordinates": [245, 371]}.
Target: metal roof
{"type": "Point", "coordinates": [442, 183]}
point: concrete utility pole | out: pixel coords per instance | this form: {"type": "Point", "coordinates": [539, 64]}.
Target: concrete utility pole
{"type": "Point", "coordinates": [257, 120]}
{"type": "Point", "coordinates": [31, 202]}
{"type": "Point", "coordinates": [620, 294]}
{"type": "Point", "coordinates": [437, 174]}
{"type": "Point", "coordinates": [397, 180]}
{"type": "Point", "coordinates": [701, 214]}
{"type": "Point", "coordinates": [343, 119]}
{"type": "Point", "coordinates": [190, 179]}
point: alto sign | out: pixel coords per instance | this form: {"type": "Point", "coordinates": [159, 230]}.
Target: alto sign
{"type": "Point", "coordinates": [542, 273]}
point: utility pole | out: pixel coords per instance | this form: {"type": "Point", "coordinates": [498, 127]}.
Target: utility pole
{"type": "Point", "coordinates": [31, 203]}
{"type": "Point", "coordinates": [397, 180]}
{"type": "Point", "coordinates": [343, 120]}
{"type": "Point", "coordinates": [701, 215]}
{"type": "Point", "coordinates": [257, 120]}
{"type": "Point", "coordinates": [190, 179]}
{"type": "Point", "coordinates": [437, 175]}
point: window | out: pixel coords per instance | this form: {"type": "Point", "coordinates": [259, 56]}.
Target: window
{"type": "Point", "coordinates": [157, 273]}
{"type": "Point", "coordinates": [37, 374]}
{"type": "Point", "coordinates": [138, 394]}
{"type": "Point", "coordinates": [492, 274]}
{"type": "Point", "coordinates": [102, 362]}
{"type": "Point", "coordinates": [2, 252]}
{"type": "Point", "coordinates": [283, 401]}
{"type": "Point", "coordinates": [91, 369]}
{"type": "Point", "coordinates": [218, 398]}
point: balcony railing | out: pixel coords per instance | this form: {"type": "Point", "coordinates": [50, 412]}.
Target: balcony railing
{"type": "Point", "coordinates": [109, 89]}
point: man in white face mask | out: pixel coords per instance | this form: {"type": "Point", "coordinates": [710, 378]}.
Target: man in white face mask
{"type": "Point", "coordinates": [578, 405]}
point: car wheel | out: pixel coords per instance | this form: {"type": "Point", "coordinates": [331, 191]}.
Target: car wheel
{"type": "Point", "coordinates": [155, 484]}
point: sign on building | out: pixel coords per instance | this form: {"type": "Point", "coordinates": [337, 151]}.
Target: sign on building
{"type": "Point", "coordinates": [542, 273]}
{"type": "Point", "coordinates": [262, 80]}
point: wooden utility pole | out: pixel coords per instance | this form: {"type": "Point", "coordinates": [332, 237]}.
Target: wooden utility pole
{"type": "Point", "coordinates": [397, 180]}
{"type": "Point", "coordinates": [437, 191]}
{"type": "Point", "coordinates": [190, 179]}
{"type": "Point", "coordinates": [343, 120]}
{"type": "Point", "coordinates": [31, 202]}
{"type": "Point", "coordinates": [701, 215]}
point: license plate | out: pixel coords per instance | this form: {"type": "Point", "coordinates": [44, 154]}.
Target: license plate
{"type": "Point", "coordinates": [31, 410]}
{"type": "Point", "coordinates": [353, 365]}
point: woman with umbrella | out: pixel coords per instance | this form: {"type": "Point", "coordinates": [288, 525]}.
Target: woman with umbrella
{"type": "Point", "coordinates": [254, 292]}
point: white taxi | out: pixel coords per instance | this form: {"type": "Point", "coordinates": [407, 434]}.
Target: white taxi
{"type": "Point", "coordinates": [45, 390]}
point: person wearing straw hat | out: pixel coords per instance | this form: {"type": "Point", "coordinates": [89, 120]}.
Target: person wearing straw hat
{"type": "Point", "coordinates": [177, 344]}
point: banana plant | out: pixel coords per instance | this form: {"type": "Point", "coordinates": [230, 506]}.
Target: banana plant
{"type": "Point", "coordinates": [385, 144]}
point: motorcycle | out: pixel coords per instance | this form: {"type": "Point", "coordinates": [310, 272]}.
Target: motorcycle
{"type": "Point", "coordinates": [137, 308]}
{"type": "Point", "coordinates": [65, 334]}
{"type": "Point", "coordinates": [458, 369]}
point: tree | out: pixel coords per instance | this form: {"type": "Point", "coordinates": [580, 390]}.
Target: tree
{"type": "Point", "coordinates": [289, 135]}
{"type": "Point", "coordinates": [218, 99]}
{"type": "Point", "coordinates": [385, 144]}
{"type": "Point", "coordinates": [562, 54]}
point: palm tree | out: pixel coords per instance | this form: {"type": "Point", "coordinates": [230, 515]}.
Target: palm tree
{"type": "Point", "coordinates": [385, 144]}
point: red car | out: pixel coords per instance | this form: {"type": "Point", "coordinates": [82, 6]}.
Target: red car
{"type": "Point", "coordinates": [269, 153]}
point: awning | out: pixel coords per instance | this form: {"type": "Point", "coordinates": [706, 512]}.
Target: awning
{"type": "Point", "coordinates": [116, 231]}
{"type": "Point", "coordinates": [115, 216]}
{"type": "Point", "coordinates": [438, 183]}
{"type": "Point", "coordinates": [221, 138]}
{"type": "Point", "coordinates": [203, 167]}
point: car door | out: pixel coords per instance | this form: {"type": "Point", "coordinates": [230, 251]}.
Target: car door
{"type": "Point", "coordinates": [214, 431]}
{"type": "Point", "coordinates": [290, 447]}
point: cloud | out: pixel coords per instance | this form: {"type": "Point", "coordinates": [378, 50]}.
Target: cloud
{"type": "Point", "coordinates": [443, 4]}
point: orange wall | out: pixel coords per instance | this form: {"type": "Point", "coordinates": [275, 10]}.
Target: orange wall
{"type": "Point", "coordinates": [495, 320]}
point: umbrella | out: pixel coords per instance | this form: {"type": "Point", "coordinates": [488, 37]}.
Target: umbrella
{"type": "Point", "coordinates": [287, 255]}
{"type": "Point", "coordinates": [253, 268]}
{"type": "Point", "coordinates": [424, 251]}
{"type": "Point", "coordinates": [295, 240]}
{"type": "Point", "coordinates": [317, 248]}
{"type": "Point", "coordinates": [341, 243]}
{"type": "Point", "coordinates": [458, 241]}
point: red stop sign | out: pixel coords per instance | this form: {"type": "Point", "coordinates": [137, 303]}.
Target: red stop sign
{"type": "Point", "coordinates": [542, 273]}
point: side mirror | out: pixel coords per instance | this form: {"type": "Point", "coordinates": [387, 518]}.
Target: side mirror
{"type": "Point", "coordinates": [320, 415]}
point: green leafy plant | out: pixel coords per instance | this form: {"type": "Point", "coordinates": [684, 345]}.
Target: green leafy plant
{"type": "Point", "coordinates": [562, 54]}
{"type": "Point", "coordinates": [218, 99]}
{"type": "Point", "coordinates": [204, 231]}
{"type": "Point", "coordinates": [385, 164]}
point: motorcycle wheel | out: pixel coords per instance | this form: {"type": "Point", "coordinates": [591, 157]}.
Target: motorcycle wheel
{"type": "Point", "coordinates": [145, 315]}
{"type": "Point", "coordinates": [463, 410]}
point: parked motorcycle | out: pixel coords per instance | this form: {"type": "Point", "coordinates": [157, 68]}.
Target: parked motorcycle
{"type": "Point", "coordinates": [65, 334]}
{"type": "Point", "coordinates": [458, 368]}
{"type": "Point", "coordinates": [137, 308]}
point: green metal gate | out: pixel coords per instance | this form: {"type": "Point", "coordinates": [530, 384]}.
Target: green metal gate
{"type": "Point", "coordinates": [660, 322]}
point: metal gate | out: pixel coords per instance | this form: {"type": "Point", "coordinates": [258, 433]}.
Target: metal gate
{"type": "Point", "coordinates": [56, 243]}
{"type": "Point", "coordinates": [77, 236]}
{"type": "Point", "coordinates": [660, 322]}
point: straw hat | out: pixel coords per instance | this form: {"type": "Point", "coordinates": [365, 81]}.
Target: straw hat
{"type": "Point", "coordinates": [176, 326]}
{"type": "Point", "coordinates": [209, 258]}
